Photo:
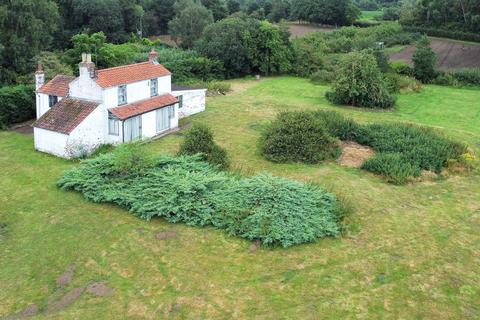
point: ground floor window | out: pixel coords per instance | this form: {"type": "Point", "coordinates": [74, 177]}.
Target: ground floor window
{"type": "Point", "coordinates": [164, 116]}
{"type": "Point", "coordinates": [113, 125]}
{"type": "Point", "coordinates": [132, 129]}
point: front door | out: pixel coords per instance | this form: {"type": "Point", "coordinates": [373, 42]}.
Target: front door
{"type": "Point", "coordinates": [163, 118]}
{"type": "Point", "coordinates": [132, 129]}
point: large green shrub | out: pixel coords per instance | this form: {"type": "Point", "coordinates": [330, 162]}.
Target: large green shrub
{"type": "Point", "coordinates": [337, 125]}
{"type": "Point", "coordinates": [458, 77]}
{"type": "Point", "coordinates": [17, 104]}
{"type": "Point", "coordinates": [298, 137]}
{"type": "Point", "coordinates": [360, 83]}
{"type": "Point", "coordinates": [199, 140]}
{"type": "Point", "coordinates": [393, 166]}
{"type": "Point", "coordinates": [276, 211]}
{"type": "Point", "coordinates": [424, 60]}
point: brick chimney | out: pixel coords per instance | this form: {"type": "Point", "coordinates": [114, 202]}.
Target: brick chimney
{"type": "Point", "coordinates": [87, 67]}
{"type": "Point", "coordinates": [39, 77]}
{"type": "Point", "coordinates": [153, 56]}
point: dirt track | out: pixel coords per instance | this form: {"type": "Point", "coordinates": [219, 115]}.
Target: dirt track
{"type": "Point", "coordinates": [450, 54]}
{"type": "Point", "coordinates": [300, 30]}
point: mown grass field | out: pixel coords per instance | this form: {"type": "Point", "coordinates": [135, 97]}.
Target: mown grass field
{"type": "Point", "coordinates": [370, 15]}
{"type": "Point", "coordinates": [412, 252]}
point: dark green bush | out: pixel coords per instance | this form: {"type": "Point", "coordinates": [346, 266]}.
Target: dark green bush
{"type": "Point", "coordinates": [443, 33]}
{"type": "Point", "coordinates": [199, 140]}
{"type": "Point", "coordinates": [276, 211]}
{"type": "Point", "coordinates": [338, 126]}
{"type": "Point", "coordinates": [359, 82]}
{"type": "Point", "coordinates": [298, 137]}
{"type": "Point", "coordinates": [421, 146]}
{"type": "Point", "coordinates": [402, 68]}
{"type": "Point", "coordinates": [393, 166]}
{"type": "Point", "coordinates": [458, 77]}
{"type": "Point", "coordinates": [424, 59]}
{"type": "Point", "coordinates": [17, 104]}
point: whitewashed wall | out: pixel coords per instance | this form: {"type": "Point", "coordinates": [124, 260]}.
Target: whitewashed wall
{"type": "Point", "coordinates": [193, 101]}
{"type": "Point", "coordinates": [136, 91]}
{"type": "Point", "coordinates": [50, 142]}
{"type": "Point", "coordinates": [89, 134]}
{"type": "Point", "coordinates": [85, 88]}
{"type": "Point", "coordinates": [42, 104]}
{"type": "Point", "coordinates": [149, 123]}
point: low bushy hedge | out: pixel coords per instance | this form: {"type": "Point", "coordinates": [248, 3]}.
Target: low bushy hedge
{"type": "Point", "coordinates": [298, 137]}
{"type": "Point", "coordinates": [438, 32]}
{"type": "Point", "coordinates": [17, 104]}
{"type": "Point", "coordinates": [199, 140]}
{"type": "Point", "coordinates": [393, 166]}
{"type": "Point", "coordinates": [185, 189]}
{"type": "Point", "coordinates": [458, 77]}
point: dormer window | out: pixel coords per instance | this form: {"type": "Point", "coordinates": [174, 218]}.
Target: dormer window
{"type": "Point", "coordinates": [52, 100]}
{"type": "Point", "coordinates": [153, 87]}
{"type": "Point", "coordinates": [122, 95]}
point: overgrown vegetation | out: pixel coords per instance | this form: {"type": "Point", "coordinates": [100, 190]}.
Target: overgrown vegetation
{"type": "Point", "coordinates": [199, 140]}
{"type": "Point", "coordinates": [276, 211]}
{"type": "Point", "coordinates": [424, 60]}
{"type": "Point", "coordinates": [403, 150]}
{"type": "Point", "coordinates": [17, 104]}
{"type": "Point", "coordinates": [359, 82]}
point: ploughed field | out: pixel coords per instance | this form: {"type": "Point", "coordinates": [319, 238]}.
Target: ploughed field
{"type": "Point", "coordinates": [410, 251]}
{"type": "Point", "coordinates": [451, 54]}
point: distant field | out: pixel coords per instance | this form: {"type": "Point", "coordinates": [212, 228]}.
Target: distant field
{"type": "Point", "coordinates": [370, 15]}
{"type": "Point", "coordinates": [300, 30]}
{"type": "Point", "coordinates": [451, 54]}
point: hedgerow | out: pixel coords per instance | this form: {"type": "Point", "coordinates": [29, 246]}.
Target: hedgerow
{"type": "Point", "coordinates": [17, 104]}
{"type": "Point", "coordinates": [185, 189]}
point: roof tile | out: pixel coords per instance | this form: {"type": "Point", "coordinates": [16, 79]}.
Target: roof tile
{"type": "Point", "coordinates": [112, 77]}
{"type": "Point", "coordinates": [140, 107]}
{"type": "Point", "coordinates": [58, 86]}
{"type": "Point", "coordinates": [66, 115]}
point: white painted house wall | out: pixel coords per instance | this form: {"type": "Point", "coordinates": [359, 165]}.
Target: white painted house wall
{"type": "Point", "coordinates": [42, 103]}
{"type": "Point", "coordinates": [51, 142]}
{"type": "Point", "coordinates": [193, 101]}
{"type": "Point", "coordinates": [88, 135]}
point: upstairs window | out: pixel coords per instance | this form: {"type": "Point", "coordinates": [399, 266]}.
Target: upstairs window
{"type": "Point", "coordinates": [153, 87]}
{"type": "Point", "coordinates": [122, 94]}
{"type": "Point", "coordinates": [113, 125]}
{"type": "Point", "coordinates": [52, 100]}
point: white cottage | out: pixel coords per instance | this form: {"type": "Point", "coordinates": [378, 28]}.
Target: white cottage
{"type": "Point", "coordinates": [109, 106]}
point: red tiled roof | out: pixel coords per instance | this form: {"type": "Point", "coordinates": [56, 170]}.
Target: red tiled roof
{"type": "Point", "coordinates": [66, 115]}
{"type": "Point", "coordinates": [136, 108]}
{"type": "Point", "coordinates": [58, 86]}
{"type": "Point", "coordinates": [130, 73]}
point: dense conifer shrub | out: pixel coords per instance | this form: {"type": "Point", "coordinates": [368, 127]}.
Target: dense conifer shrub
{"type": "Point", "coordinates": [17, 104]}
{"type": "Point", "coordinates": [185, 189]}
{"type": "Point", "coordinates": [298, 137]}
{"type": "Point", "coordinates": [199, 140]}
{"type": "Point", "coordinates": [393, 166]}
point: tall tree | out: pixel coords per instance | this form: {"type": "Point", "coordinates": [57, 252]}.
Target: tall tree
{"type": "Point", "coordinates": [424, 60]}
{"type": "Point", "coordinates": [190, 20]}
{"type": "Point", "coordinates": [26, 28]}
{"type": "Point", "coordinates": [158, 14]}
{"type": "Point", "coordinates": [218, 7]}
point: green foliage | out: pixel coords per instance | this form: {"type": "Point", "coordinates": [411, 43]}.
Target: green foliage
{"type": "Point", "coordinates": [26, 29]}
{"type": "Point", "coordinates": [401, 68]}
{"type": "Point", "coordinates": [17, 104]}
{"type": "Point", "coordinates": [276, 211]}
{"type": "Point", "coordinates": [215, 88]}
{"type": "Point", "coordinates": [245, 45]}
{"type": "Point", "coordinates": [424, 60]}
{"type": "Point", "coordinates": [420, 146]}
{"type": "Point", "coordinates": [337, 125]}
{"type": "Point", "coordinates": [398, 83]}
{"type": "Point", "coordinates": [199, 140]}
{"type": "Point", "coordinates": [444, 33]}
{"type": "Point", "coordinates": [458, 77]}
{"type": "Point", "coordinates": [360, 83]}
{"type": "Point", "coordinates": [130, 158]}
{"type": "Point", "coordinates": [189, 22]}
{"type": "Point", "coordinates": [340, 12]}
{"type": "Point", "coordinates": [298, 137]}
{"type": "Point", "coordinates": [393, 166]}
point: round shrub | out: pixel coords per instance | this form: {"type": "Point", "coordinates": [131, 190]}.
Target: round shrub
{"type": "Point", "coordinates": [359, 82]}
{"type": "Point", "coordinates": [298, 137]}
{"type": "Point", "coordinates": [199, 140]}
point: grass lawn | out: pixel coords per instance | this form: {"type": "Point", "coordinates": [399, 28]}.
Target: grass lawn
{"type": "Point", "coordinates": [370, 15]}
{"type": "Point", "coordinates": [412, 251]}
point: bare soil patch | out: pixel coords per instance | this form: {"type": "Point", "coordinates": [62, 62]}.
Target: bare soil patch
{"type": "Point", "coordinates": [354, 154]}
{"type": "Point", "coordinates": [254, 246]}
{"type": "Point", "coordinates": [299, 30]}
{"type": "Point", "coordinates": [451, 54]}
{"type": "Point", "coordinates": [166, 235]}
{"type": "Point", "coordinates": [30, 311]}
{"type": "Point", "coordinates": [100, 289]}
{"type": "Point", "coordinates": [65, 300]}
{"type": "Point", "coordinates": [65, 278]}
{"type": "Point", "coordinates": [24, 127]}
